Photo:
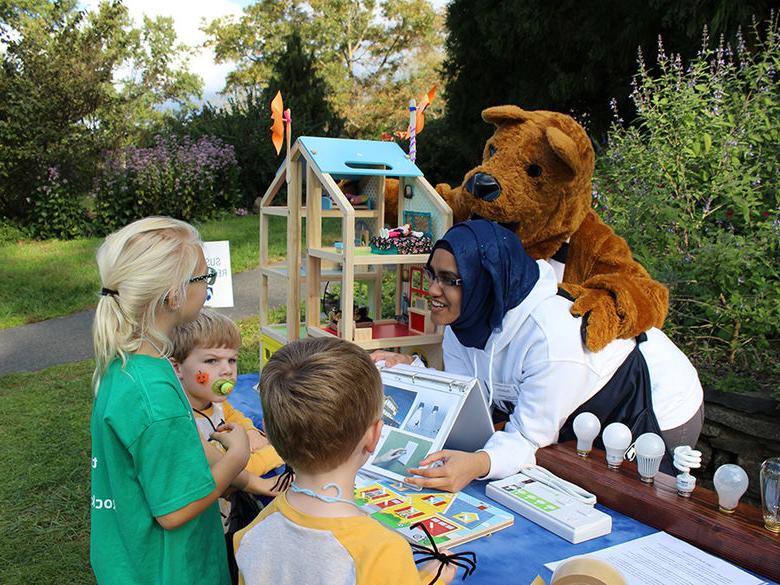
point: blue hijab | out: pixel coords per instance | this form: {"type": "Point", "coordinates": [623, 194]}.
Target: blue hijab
{"type": "Point", "coordinates": [497, 275]}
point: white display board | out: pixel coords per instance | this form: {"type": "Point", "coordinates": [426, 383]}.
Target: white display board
{"type": "Point", "coordinates": [425, 410]}
{"type": "Point", "coordinates": [220, 294]}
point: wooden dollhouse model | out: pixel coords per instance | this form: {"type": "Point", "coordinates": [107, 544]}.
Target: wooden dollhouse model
{"type": "Point", "coordinates": [317, 166]}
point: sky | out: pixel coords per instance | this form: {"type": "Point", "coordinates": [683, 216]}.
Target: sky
{"type": "Point", "coordinates": [188, 16]}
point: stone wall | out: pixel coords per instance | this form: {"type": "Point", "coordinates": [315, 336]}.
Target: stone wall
{"type": "Point", "coordinates": [738, 428]}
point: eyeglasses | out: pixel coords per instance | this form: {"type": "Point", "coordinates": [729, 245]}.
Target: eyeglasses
{"type": "Point", "coordinates": [210, 277]}
{"type": "Point", "coordinates": [442, 280]}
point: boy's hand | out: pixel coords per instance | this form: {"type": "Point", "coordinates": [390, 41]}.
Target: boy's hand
{"type": "Point", "coordinates": [257, 440]}
{"type": "Point", "coordinates": [260, 486]}
{"type": "Point", "coordinates": [391, 359]}
{"type": "Point", "coordinates": [234, 439]}
{"type": "Point", "coordinates": [448, 573]}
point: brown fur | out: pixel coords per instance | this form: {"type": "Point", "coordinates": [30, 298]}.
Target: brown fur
{"type": "Point", "coordinates": [616, 292]}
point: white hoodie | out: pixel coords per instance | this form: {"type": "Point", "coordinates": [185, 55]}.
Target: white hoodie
{"type": "Point", "coordinates": [538, 362]}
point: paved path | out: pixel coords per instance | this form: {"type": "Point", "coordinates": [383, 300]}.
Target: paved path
{"type": "Point", "coordinates": [69, 339]}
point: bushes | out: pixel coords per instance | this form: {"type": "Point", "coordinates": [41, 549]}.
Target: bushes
{"type": "Point", "coordinates": [694, 189]}
{"type": "Point", "coordinates": [177, 177]}
{"type": "Point", "coordinates": [56, 211]}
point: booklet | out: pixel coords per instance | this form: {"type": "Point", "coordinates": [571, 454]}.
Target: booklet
{"type": "Point", "coordinates": [426, 410]}
{"type": "Point", "coordinates": [452, 519]}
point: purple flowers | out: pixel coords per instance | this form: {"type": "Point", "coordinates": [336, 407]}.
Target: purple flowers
{"type": "Point", "coordinates": [181, 177]}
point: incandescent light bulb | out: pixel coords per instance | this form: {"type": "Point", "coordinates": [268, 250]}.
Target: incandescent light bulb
{"type": "Point", "coordinates": [731, 482]}
{"type": "Point", "coordinates": [586, 427]}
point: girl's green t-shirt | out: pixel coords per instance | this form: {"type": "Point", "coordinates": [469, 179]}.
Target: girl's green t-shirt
{"type": "Point", "coordinates": [148, 461]}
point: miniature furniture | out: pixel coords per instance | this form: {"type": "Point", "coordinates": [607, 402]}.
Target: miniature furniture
{"type": "Point", "coordinates": [311, 174]}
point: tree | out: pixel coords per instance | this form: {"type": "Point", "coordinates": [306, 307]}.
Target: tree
{"type": "Point", "coordinates": [360, 48]}
{"type": "Point", "coordinates": [570, 56]}
{"type": "Point", "coordinates": [62, 99]}
{"type": "Point", "coordinates": [245, 121]}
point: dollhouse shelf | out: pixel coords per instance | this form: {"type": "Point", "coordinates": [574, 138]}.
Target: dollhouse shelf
{"type": "Point", "coordinates": [280, 270]}
{"type": "Point", "coordinates": [325, 213]}
{"type": "Point", "coordinates": [368, 259]}
{"type": "Point", "coordinates": [385, 334]}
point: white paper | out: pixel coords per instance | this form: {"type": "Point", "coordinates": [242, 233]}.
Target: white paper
{"type": "Point", "coordinates": [409, 450]}
{"type": "Point", "coordinates": [220, 294]}
{"type": "Point", "coordinates": [662, 559]}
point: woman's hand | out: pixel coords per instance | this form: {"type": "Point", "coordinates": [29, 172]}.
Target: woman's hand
{"type": "Point", "coordinates": [454, 471]}
{"type": "Point", "coordinates": [391, 359]}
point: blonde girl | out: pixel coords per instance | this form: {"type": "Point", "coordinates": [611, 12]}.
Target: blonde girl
{"type": "Point", "coordinates": [154, 516]}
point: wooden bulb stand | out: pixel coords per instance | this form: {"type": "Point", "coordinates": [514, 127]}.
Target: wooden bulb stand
{"type": "Point", "coordinates": [739, 537]}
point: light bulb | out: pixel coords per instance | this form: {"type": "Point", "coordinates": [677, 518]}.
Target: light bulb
{"type": "Point", "coordinates": [586, 427]}
{"type": "Point", "coordinates": [686, 459]}
{"type": "Point", "coordinates": [770, 493]}
{"type": "Point", "coordinates": [616, 438]}
{"type": "Point", "coordinates": [650, 449]}
{"type": "Point", "coordinates": [731, 481]}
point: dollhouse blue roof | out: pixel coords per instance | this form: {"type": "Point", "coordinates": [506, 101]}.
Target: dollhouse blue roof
{"type": "Point", "coordinates": [345, 158]}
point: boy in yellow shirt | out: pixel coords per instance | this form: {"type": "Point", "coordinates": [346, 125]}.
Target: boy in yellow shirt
{"type": "Point", "coordinates": [205, 355]}
{"type": "Point", "coordinates": [322, 406]}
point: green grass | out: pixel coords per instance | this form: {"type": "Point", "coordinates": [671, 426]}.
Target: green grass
{"type": "Point", "coordinates": [45, 450]}
{"type": "Point", "coordinates": [53, 278]}
{"type": "Point", "coordinates": [41, 280]}
{"type": "Point", "coordinates": [44, 495]}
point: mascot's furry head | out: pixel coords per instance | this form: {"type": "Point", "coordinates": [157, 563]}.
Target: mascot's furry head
{"type": "Point", "coordinates": [535, 177]}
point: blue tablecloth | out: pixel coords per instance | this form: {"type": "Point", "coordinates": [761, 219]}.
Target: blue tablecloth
{"type": "Point", "coordinates": [513, 555]}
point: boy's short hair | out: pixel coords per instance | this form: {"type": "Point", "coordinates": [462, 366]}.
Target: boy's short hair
{"type": "Point", "coordinates": [210, 329]}
{"type": "Point", "coordinates": [319, 397]}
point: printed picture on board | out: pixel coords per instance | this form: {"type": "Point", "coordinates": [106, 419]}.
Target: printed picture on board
{"type": "Point", "coordinates": [397, 404]}
{"type": "Point", "coordinates": [398, 451]}
{"type": "Point", "coordinates": [427, 417]}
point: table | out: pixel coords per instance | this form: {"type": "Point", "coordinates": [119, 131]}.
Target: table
{"type": "Point", "coordinates": [513, 555]}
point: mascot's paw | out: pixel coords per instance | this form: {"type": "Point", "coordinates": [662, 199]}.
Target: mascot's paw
{"type": "Point", "coordinates": [600, 322]}
{"type": "Point", "coordinates": [460, 209]}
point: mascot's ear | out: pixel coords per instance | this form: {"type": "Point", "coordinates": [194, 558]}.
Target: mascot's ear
{"type": "Point", "coordinates": [565, 148]}
{"type": "Point", "coordinates": [499, 114]}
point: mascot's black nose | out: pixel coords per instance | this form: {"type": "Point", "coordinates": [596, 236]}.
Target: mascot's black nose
{"type": "Point", "coordinates": [484, 186]}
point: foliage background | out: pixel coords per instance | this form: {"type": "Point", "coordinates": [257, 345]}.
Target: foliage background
{"type": "Point", "coordinates": [693, 186]}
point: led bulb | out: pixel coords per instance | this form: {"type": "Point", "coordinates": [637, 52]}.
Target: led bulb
{"type": "Point", "coordinates": [616, 438]}
{"type": "Point", "coordinates": [586, 427]}
{"type": "Point", "coordinates": [731, 482]}
{"type": "Point", "coordinates": [650, 449]}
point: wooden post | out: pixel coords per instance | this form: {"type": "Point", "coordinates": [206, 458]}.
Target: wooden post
{"type": "Point", "coordinates": [293, 246]}
{"type": "Point", "coordinates": [313, 240]}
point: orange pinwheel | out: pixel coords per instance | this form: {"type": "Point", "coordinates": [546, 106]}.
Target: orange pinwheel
{"type": "Point", "coordinates": [419, 119]}
{"type": "Point", "coordinates": [277, 115]}
{"type": "Point", "coordinates": [422, 105]}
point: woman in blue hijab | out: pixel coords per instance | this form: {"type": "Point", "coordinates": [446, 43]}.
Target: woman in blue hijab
{"type": "Point", "coordinates": [505, 323]}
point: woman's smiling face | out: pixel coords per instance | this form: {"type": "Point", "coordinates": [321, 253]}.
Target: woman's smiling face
{"type": "Point", "coordinates": [445, 298]}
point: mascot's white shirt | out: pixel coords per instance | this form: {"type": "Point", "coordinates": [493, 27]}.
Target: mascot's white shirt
{"type": "Point", "coordinates": [538, 362]}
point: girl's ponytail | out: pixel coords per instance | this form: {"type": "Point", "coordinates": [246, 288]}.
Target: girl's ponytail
{"type": "Point", "coordinates": [140, 265]}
